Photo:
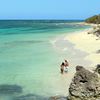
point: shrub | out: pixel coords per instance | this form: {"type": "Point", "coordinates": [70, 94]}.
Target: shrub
{"type": "Point", "coordinates": [94, 19]}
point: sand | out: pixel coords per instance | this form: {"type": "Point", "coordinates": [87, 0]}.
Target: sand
{"type": "Point", "coordinates": [88, 43]}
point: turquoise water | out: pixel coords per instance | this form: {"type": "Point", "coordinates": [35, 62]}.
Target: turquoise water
{"type": "Point", "coordinates": [31, 52]}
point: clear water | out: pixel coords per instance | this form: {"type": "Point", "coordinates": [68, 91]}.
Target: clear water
{"type": "Point", "coordinates": [31, 52]}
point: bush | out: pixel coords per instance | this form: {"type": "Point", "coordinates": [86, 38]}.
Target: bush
{"type": "Point", "coordinates": [94, 19]}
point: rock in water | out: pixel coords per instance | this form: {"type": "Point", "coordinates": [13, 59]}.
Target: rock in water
{"type": "Point", "coordinates": [10, 89]}
{"type": "Point", "coordinates": [84, 86]}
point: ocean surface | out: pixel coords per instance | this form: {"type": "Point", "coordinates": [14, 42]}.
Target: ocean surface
{"type": "Point", "coordinates": [31, 52]}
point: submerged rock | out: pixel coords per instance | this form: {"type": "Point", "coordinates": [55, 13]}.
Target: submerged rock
{"type": "Point", "coordinates": [84, 86]}
{"type": "Point", "coordinates": [10, 89]}
{"type": "Point", "coordinates": [30, 97]}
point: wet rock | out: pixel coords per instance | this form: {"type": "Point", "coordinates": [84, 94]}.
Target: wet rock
{"type": "Point", "coordinates": [30, 97]}
{"type": "Point", "coordinates": [84, 86]}
{"type": "Point", "coordinates": [10, 89]}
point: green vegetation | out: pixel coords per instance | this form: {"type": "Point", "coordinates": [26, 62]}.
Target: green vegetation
{"type": "Point", "coordinates": [94, 19]}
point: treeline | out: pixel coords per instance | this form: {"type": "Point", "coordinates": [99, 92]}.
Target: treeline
{"type": "Point", "coordinates": [94, 19]}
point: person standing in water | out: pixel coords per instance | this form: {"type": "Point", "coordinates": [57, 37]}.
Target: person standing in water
{"type": "Point", "coordinates": [62, 67]}
{"type": "Point", "coordinates": [66, 64]}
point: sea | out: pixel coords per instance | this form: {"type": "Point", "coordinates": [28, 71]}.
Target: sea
{"type": "Point", "coordinates": [31, 52]}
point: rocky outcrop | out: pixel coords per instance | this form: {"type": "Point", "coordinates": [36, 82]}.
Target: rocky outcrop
{"type": "Point", "coordinates": [95, 31]}
{"type": "Point", "coordinates": [10, 89]}
{"type": "Point", "coordinates": [84, 86]}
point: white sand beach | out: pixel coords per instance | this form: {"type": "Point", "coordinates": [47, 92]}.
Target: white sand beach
{"type": "Point", "coordinates": [88, 43]}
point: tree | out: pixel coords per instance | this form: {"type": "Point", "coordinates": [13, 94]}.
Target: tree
{"type": "Point", "coordinates": [94, 19]}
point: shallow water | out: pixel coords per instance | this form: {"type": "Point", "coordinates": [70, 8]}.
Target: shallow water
{"type": "Point", "coordinates": [31, 52]}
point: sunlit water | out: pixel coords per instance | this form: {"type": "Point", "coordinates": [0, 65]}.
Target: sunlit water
{"type": "Point", "coordinates": [31, 53]}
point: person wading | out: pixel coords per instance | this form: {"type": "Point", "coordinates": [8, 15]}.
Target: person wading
{"type": "Point", "coordinates": [62, 67]}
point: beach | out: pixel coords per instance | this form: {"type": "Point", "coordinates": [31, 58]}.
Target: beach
{"type": "Point", "coordinates": [88, 43]}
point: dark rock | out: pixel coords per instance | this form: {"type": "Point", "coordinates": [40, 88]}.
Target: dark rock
{"type": "Point", "coordinates": [97, 69]}
{"type": "Point", "coordinates": [98, 51]}
{"type": "Point", "coordinates": [30, 97]}
{"type": "Point", "coordinates": [84, 86]}
{"type": "Point", "coordinates": [10, 89]}
{"type": "Point", "coordinates": [89, 33]}
{"type": "Point", "coordinates": [95, 31]}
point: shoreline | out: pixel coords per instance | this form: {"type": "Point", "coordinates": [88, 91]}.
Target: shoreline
{"type": "Point", "coordinates": [81, 42]}
{"type": "Point", "coordinates": [87, 43]}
